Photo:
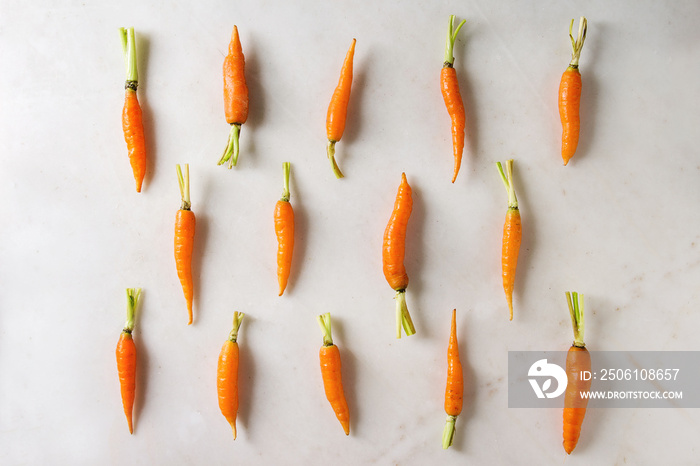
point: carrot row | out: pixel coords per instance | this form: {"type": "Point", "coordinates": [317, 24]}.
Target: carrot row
{"type": "Point", "coordinates": [236, 101]}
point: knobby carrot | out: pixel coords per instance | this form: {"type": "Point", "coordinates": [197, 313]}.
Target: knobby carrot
{"type": "Point", "coordinates": [126, 357]}
{"type": "Point", "coordinates": [570, 95]}
{"type": "Point", "coordinates": [235, 97]}
{"type": "Point", "coordinates": [184, 239]}
{"type": "Point", "coordinates": [132, 123]}
{"type": "Point", "coordinates": [284, 229]}
{"type": "Point", "coordinates": [227, 375]}
{"type": "Point", "coordinates": [578, 360]}
{"type": "Point", "coordinates": [338, 109]}
{"type": "Point", "coordinates": [454, 391]}
{"type": "Point", "coordinates": [330, 371]}
{"type": "Point", "coordinates": [512, 233]}
{"type": "Point", "coordinates": [452, 97]}
{"type": "Point", "coordinates": [393, 251]}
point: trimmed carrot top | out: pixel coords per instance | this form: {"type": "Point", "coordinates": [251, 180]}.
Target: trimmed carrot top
{"type": "Point", "coordinates": [132, 299]}
{"type": "Point", "coordinates": [577, 44]}
{"type": "Point", "coordinates": [237, 319]}
{"type": "Point", "coordinates": [508, 183]}
{"type": "Point", "coordinates": [324, 320]}
{"type": "Point", "coordinates": [575, 302]}
{"type": "Point", "coordinates": [451, 38]}
{"type": "Point", "coordinates": [287, 167]}
{"type": "Point", "coordinates": [184, 183]}
{"type": "Point", "coordinates": [129, 48]}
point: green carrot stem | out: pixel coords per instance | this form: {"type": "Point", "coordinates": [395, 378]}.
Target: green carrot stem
{"type": "Point", "coordinates": [403, 318]}
{"type": "Point", "coordinates": [449, 432]}
{"type": "Point", "coordinates": [129, 49]}
{"type": "Point", "coordinates": [575, 302]}
{"type": "Point", "coordinates": [184, 183]}
{"type": "Point", "coordinates": [132, 300]}
{"type": "Point", "coordinates": [230, 154]}
{"type": "Point", "coordinates": [508, 183]}
{"type": "Point", "coordinates": [451, 38]}
{"type": "Point", "coordinates": [577, 44]}
{"type": "Point", "coordinates": [237, 319]}
{"type": "Point", "coordinates": [331, 156]}
{"type": "Point", "coordinates": [324, 321]}
{"type": "Point", "coordinates": [287, 167]}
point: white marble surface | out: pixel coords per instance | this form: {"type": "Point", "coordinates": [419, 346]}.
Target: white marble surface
{"type": "Point", "coordinates": [620, 224]}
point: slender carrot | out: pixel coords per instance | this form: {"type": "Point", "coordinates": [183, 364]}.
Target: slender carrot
{"type": "Point", "coordinates": [338, 109]}
{"type": "Point", "coordinates": [132, 123]}
{"type": "Point", "coordinates": [184, 239]}
{"type": "Point", "coordinates": [512, 233]}
{"type": "Point", "coordinates": [227, 375]}
{"type": "Point", "coordinates": [454, 391]}
{"type": "Point", "coordinates": [452, 97]}
{"type": "Point", "coordinates": [235, 97]}
{"type": "Point", "coordinates": [578, 361]}
{"type": "Point", "coordinates": [393, 251]}
{"type": "Point", "coordinates": [284, 229]}
{"type": "Point", "coordinates": [330, 371]}
{"type": "Point", "coordinates": [570, 95]}
{"type": "Point", "coordinates": [126, 357]}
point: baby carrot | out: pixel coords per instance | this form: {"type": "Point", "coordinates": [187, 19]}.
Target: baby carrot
{"type": "Point", "coordinates": [570, 95]}
{"type": "Point", "coordinates": [452, 97]}
{"type": "Point", "coordinates": [184, 239]}
{"type": "Point", "coordinates": [578, 360]}
{"type": "Point", "coordinates": [284, 229]}
{"type": "Point", "coordinates": [455, 385]}
{"type": "Point", "coordinates": [227, 375]}
{"type": "Point", "coordinates": [235, 97]}
{"type": "Point", "coordinates": [338, 109]}
{"type": "Point", "coordinates": [393, 251]}
{"type": "Point", "coordinates": [330, 372]}
{"type": "Point", "coordinates": [132, 123]}
{"type": "Point", "coordinates": [126, 357]}
{"type": "Point", "coordinates": [512, 233]}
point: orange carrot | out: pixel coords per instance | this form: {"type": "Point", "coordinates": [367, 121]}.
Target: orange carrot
{"type": "Point", "coordinates": [578, 360]}
{"type": "Point", "coordinates": [132, 123]}
{"type": "Point", "coordinates": [184, 239]}
{"type": "Point", "coordinates": [126, 357]}
{"type": "Point", "coordinates": [284, 229]}
{"type": "Point", "coordinates": [393, 251]}
{"type": "Point", "coordinates": [235, 97]}
{"type": "Point", "coordinates": [512, 233]}
{"type": "Point", "coordinates": [330, 371]}
{"type": "Point", "coordinates": [227, 375]}
{"type": "Point", "coordinates": [570, 95]}
{"type": "Point", "coordinates": [452, 97]}
{"type": "Point", "coordinates": [338, 109]}
{"type": "Point", "coordinates": [454, 391]}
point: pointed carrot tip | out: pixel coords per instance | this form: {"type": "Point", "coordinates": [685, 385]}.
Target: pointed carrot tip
{"type": "Point", "coordinates": [233, 428]}
{"type": "Point", "coordinates": [346, 427]}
